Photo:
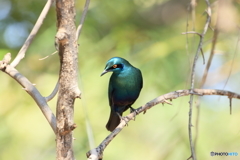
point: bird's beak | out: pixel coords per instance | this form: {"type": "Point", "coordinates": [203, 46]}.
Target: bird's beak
{"type": "Point", "coordinates": [104, 72]}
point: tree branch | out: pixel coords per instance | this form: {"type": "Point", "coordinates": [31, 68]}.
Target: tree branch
{"type": "Point", "coordinates": [97, 153]}
{"type": "Point", "coordinates": [21, 53]}
{"type": "Point", "coordinates": [204, 77]}
{"type": "Point", "coordinates": [30, 89]}
{"type": "Point", "coordinates": [79, 28]}
{"type": "Point", "coordinates": [214, 41]}
{"type": "Point", "coordinates": [233, 59]}
{"type": "Point", "coordinates": [193, 155]}
{"type": "Point", "coordinates": [54, 92]}
{"type": "Point", "coordinates": [193, 32]}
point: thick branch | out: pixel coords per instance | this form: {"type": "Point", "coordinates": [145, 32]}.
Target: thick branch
{"type": "Point", "coordinates": [68, 86]}
{"type": "Point", "coordinates": [97, 153]}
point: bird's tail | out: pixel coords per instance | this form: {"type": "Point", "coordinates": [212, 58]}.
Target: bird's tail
{"type": "Point", "coordinates": [113, 121]}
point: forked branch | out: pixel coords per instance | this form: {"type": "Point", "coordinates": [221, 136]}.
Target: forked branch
{"type": "Point", "coordinates": [30, 89]}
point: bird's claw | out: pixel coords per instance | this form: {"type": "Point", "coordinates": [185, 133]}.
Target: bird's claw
{"type": "Point", "coordinates": [123, 119]}
{"type": "Point", "coordinates": [135, 111]}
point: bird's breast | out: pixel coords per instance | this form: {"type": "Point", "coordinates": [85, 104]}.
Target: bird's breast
{"type": "Point", "coordinates": [126, 87]}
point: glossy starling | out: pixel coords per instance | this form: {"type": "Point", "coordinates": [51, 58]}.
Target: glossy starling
{"type": "Point", "coordinates": [124, 87]}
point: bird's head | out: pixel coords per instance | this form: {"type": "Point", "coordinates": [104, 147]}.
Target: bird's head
{"type": "Point", "coordinates": [116, 65]}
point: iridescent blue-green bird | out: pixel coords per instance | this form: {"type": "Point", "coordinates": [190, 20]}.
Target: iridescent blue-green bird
{"type": "Point", "coordinates": [124, 88]}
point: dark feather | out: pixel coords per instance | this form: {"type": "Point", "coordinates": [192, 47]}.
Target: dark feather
{"type": "Point", "coordinates": [124, 88]}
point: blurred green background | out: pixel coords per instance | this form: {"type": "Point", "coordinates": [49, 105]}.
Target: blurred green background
{"type": "Point", "coordinates": [148, 34]}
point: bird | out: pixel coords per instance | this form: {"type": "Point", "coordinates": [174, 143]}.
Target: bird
{"type": "Point", "coordinates": [125, 85]}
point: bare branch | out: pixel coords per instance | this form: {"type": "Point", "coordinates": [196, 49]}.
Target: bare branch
{"type": "Point", "coordinates": [193, 5]}
{"type": "Point", "coordinates": [48, 56]}
{"type": "Point", "coordinates": [233, 60]}
{"type": "Point", "coordinates": [217, 29]}
{"type": "Point", "coordinates": [215, 35]}
{"type": "Point", "coordinates": [193, 32]}
{"type": "Point", "coordinates": [187, 40]}
{"type": "Point", "coordinates": [200, 35]}
{"type": "Point", "coordinates": [53, 94]}
{"type": "Point", "coordinates": [230, 103]}
{"type": "Point", "coordinates": [21, 53]}
{"type": "Point", "coordinates": [79, 28]}
{"type": "Point", "coordinates": [97, 153]}
{"type": "Point", "coordinates": [34, 93]}
{"type": "Point", "coordinates": [193, 155]}
{"type": "Point", "coordinates": [189, 157]}
{"type": "Point", "coordinates": [203, 56]}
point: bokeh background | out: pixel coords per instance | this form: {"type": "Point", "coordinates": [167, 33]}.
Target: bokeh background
{"type": "Point", "coordinates": [149, 35]}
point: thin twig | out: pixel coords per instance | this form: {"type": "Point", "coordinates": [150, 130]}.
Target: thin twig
{"type": "Point", "coordinates": [53, 94]}
{"type": "Point", "coordinates": [79, 28]}
{"type": "Point", "coordinates": [47, 56]}
{"type": "Point", "coordinates": [230, 104]}
{"type": "Point", "coordinates": [233, 60]}
{"type": "Point", "coordinates": [198, 104]}
{"type": "Point", "coordinates": [193, 78]}
{"type": "Point", "coordinates": [78, 32]}
{"type": "Point", "coordinates": [97, 153]}
{"type": "Point", "coordinates": [21, 53]}
{"type": "Point", "coordinates": [203, 56]}
{"type": "Point", "coordinates": [193, 9]}
{"type": "Point", "coordinates": [214, 40]}
{"type": "Point", "coordinates": [192, 32]}
{"type": "Point", "coordinates": [200, 35]}
{"type": "Point", "coordinates": [187, 39]}
{"type": "Point", "coordinates": [189, 158]}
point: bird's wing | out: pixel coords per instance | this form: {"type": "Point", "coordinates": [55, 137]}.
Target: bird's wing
{"type": "Point", "coordinates": [110, 93]}
{"type": "Point", "coordinates": [141, 83]}
{"type": "Point", "coordinates": [139, 78]}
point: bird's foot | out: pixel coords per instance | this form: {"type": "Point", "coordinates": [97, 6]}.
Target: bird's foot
{"type": "Point", "coordinates": [122, 118]}
{"type": "Point", "coordinates": [135, 112]}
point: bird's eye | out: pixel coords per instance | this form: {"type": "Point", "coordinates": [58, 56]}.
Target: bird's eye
{"type": "Point", "coordinates": [114, 66]}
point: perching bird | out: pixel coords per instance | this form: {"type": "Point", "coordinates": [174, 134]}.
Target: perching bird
{"type": "Point", "coordinates": [124, 87]}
